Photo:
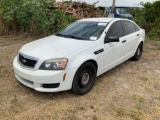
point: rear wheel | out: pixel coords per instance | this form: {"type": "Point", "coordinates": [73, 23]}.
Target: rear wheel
{"type": "Point", "coordinates": [84, 79]}
{"type": "Point", "coordinates": [138, 53]}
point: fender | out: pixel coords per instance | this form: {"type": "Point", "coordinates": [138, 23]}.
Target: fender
{"type": "Point", "coordinates": [78, 61]}
{"type": "Point", "coordinates": [93, 52]}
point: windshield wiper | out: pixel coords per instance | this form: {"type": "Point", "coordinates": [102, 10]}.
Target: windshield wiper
{"type": "Point", "coordinates": [71, 36]}
{"type": "Point", "coordinates": [75, 37]}
{"type": "Point", "coordinates": [58, 34]}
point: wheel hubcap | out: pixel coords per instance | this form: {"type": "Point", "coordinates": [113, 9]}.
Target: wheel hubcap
{"type": "Point", "coordinates": [85, 78]}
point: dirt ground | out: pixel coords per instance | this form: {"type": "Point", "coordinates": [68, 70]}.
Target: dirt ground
{"type": "Point", "coordinates": [131, 91]}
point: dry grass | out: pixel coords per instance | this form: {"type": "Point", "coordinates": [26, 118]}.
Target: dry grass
{"type": "Point", "coordinates": [131, 91]}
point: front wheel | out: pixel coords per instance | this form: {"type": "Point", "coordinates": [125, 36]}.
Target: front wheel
{"type": "Point", "coordinates": [84, 79]}
{"type": "Point", "coordinates": [138, 53]}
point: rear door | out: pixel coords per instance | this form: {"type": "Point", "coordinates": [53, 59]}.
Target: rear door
{"type": "Point", "coordinates": [131, 37]}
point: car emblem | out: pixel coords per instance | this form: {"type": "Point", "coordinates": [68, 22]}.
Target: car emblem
{"type": "Point", "coordinates": [24, 60]}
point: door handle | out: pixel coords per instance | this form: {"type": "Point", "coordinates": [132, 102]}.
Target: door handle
{"type": "Point", "coordinates": [137, 34]}
{"type": "Point", "coordinates": [123, 41]}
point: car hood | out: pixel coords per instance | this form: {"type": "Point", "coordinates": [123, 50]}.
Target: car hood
{"type": "Point", "coordinates": [53, 47]}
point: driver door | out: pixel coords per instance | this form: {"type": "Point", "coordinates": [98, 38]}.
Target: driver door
{"type": "Point", "coordinates": [114, 51]}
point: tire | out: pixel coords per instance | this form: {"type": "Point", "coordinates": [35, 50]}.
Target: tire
{"type": "Point", "coordinates": [138, 53]}
{"type": "Point", "coordinates": [84, 79]}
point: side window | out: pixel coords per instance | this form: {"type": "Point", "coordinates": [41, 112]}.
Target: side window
{"type": "Point", "coordinates": [128, 27]}
{"type": "Point", "coordinates": [115, 30]}
{"type": "Point", "coordinates": [137, 29]}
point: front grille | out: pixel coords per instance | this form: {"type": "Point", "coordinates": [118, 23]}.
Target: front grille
{"type": "Point", "coordinates": [27, 61]}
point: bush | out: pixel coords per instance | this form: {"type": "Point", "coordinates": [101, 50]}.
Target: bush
{"type": "Point", "coordinates": [154, 34]}
{"type": "Point", "coordinates": [33, 16]}
{"type": "Point", "coordinates": [148, 18]}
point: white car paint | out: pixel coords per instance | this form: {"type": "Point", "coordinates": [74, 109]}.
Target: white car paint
{"type": "Point", "coordinates": [77, 52]}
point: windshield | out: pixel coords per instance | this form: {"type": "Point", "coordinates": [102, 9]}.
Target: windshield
{"type": "Point", "coordinates": [83, 30]}
{"type": "Point", "coordinates": [121, 10]}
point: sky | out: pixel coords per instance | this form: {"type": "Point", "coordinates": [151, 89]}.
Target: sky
{"type": "Point", "coordinates": [107, 3]}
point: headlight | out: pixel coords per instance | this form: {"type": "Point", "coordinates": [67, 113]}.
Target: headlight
{"type": "Point", "coordinates": [54, 64]}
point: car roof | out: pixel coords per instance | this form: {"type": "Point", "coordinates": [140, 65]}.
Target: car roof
{"type": "Point", "coordinates": [99, 19]}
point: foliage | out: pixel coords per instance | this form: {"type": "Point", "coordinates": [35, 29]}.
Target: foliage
{"type": "Point", "coordinates": [148, 17]}
{"type": "Point", "coordinates": [154, 34]}
{"type": "Point", "coordinates": [33, 16]}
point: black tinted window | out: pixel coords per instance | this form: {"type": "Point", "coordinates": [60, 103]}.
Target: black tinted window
{"type": "Point", "coordinates": [136, 28]}
{"type": "Point", "coordinates": [115, 30]}
{"type": "Point", "coordinates": [128, 27]}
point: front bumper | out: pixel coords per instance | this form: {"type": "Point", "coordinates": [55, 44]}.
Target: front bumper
{"type": "Point", "coordinates": [39, 79]}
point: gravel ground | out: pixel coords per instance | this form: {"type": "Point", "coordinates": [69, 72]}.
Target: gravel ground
{"type": "Point", "coordinates": [130, 91]}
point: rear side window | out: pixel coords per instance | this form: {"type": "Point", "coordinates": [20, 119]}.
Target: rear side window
{"type": "Point", "coordinates": [115, 30]}
{"type": "Point", "coordinates": [128, 27]}
{"type": "Point", "coordinates": [137, 29]}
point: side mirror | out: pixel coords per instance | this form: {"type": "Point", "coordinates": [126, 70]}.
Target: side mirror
{"type": "Point", "coordinates": [112, 39]}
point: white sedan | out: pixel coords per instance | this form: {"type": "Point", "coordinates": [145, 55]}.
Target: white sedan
{"type": "Point", "coordinates": [74, 57]}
